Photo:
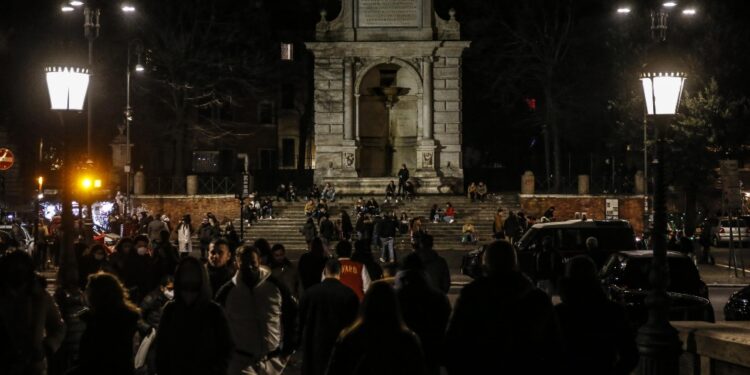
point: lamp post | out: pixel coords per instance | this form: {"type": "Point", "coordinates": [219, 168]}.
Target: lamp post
{"type": "Point", "coordinates": [67, 86]}
{"type": "Point", "coordinates": [128, 119]}
{"type": "Point", "coordinates": [91, 27]}
{"type": "Point", "coordinates": [658, 342]}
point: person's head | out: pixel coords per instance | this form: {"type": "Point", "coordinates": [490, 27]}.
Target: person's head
{"type": "Point", "coordinates": [124, 246]}
{"type": "Point", "coordinates": [423, 242]}
{"type": "Point", "coordinates": [99, 252]}
{"type": "Point", "coordinates": [499, 211]}
{"type": "Point", "coordinates": [105, 292]}
{"type": "Point", "coordinates": [380, 309]}
{"type": "Point", "coordinates": [344, 249]}
{"type": "Point", "coordinates": [278, 253]}
{"type": "Point", "coordinates": [16, 270]}
{"type": "Point", "coordinates": [141, 244]}
{"type": "Point", "coordinates": [332, 270]}
{"type": "Point", "coordinates": [403, 166]}
{"type": "Point", "coordinates": [186, 219]}
{"type": "Point", "coordinates": [166, 285]}
{"type": "Point", "coordinates": [448, 204]}
{"type": "Point", "coordinates": [592, 243]}
{"type": "Point", "coordinates": [219, 253]}
{"type": "Point", "coordinates": [191, 282]}
{"type": "Point", "coordinates": [263, 247]}
{"type": "Point", "coordinates": [317, 247]}
{"type": "Point", "coordinates": [500, 258]}
{"type": "Point", "coordinates": [248, 264]}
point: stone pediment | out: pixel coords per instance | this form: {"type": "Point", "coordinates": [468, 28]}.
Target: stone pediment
{"type": "Point", "coordinates": [387, 20]}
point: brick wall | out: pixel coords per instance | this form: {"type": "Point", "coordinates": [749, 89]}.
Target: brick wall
{"type": "Point", "coordinates": [630, 206]}
{"type": "Point", "coordinates": [175, 206]}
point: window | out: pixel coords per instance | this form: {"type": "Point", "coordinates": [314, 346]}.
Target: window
{"type": "Point", "coordinates": [287, 96]}
{"type": "Point", "coordinates": [205, 161]}
{"type": "Point", "coordinates": [287, 152]}
{"type": "Point", "coordinates": [265, 113]}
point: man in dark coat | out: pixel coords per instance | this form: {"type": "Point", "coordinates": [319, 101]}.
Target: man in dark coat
{"type": "Point", "coordinates": [325, 310]}
{"type": "Point", "coordinates": [403, 176]}
{"type": "Point", "coordinates": [220, 269]}
{"type": "Point", "coordinates": [436, 268]}
{"type": "Point", "coordinates": [502, 323]}
{"type": "Point", "coordinates": [425, 309]}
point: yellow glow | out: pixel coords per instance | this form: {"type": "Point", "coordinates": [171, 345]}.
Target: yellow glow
{"type": "Point", "coordinates": [40, 180]}
{"type": "Point", "coordinates": [86, 183]}
{"type": "Point", "coordinates": [97, 183]}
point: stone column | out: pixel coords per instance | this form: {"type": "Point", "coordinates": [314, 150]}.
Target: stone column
{"type": "Point", "coordinates": [356, 115]}
{"type": "Point", "coordinates": [426, 158]}
{"type": "Point", "coordinates": [640, 183]}
{"type": "Point", "coordinates": [427, 101]}
{"type": "Point", "coordinates": [349, 99]}
{"type": "Point", "coordinates": [527, 183]}
{"type": "Point", "coordinates": [583, 184]}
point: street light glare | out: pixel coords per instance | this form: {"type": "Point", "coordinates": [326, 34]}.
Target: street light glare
{"type": "Point", "coordinates": [67, 8]}
{"type": "Point", "coordinates": [86, 183]}
{"type": "Point", "coordinates": [623, 10]}
{"type": "Point", "coordinates": [139, 68]}
{"type": "Point", "coordinates": [67, 87]}
{"type": "Point", "coordinates": [128, 8]}
{"type": "Point", "coordinates": [76, 3]}
{"type": "Point", "coordinates": [689, 12]}
{"type": "Point", "coordinates": [670, 4]}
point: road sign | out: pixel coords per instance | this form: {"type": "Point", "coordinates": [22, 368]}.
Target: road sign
{"type": "Point", "coordinates": [6, 159]}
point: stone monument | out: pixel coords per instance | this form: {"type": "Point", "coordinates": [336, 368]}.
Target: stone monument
{"type": "Point", "coordinates": [387, 93]}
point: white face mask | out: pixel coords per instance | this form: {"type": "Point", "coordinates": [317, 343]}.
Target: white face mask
{"type": "Point", "coordinates": [142, 251]}
{"type": "Point", "coordinates": [169, 294]}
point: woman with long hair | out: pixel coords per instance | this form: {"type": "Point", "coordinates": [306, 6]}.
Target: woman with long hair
{"type": "Point", "coordinates": [111, 322]}
{"type": "Point", "coordinates": [193, 335]}
{"type": "Point", "coordinates": [312, 262]}
{"type": "Point", "coordinates": [378, 342]}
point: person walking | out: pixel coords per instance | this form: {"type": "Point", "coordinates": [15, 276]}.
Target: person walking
{"type": "Point", "coordinates": [379, 342]}
{"type": "Point", "coordinates": [549, 266]}
{"type": "Point", "coordinates": [309, 231]}
{"type": "Point", "coordinates": [403, 176]}
{"type": "Point", "coordinates": [311, 264]}
{"type": "Point", "coordinates": [327, 231]}
{"type": "Point", "coordinates": [184, 236]}
{"type": "Point", "coordinates": [325, 310]}
{"type": "Point", "coordinates": [425, 309]}
{"type": "Point", "coordinates": [193, 335]}
{"type": "Point", "coordinates": [346, 226]}
{"type": "Point", "coordinates": [596, 254]}
{"type": "Point", "coordinates": [111, 322]}
{"type": "Point", "coordinates": [498, 231]}
{"type": "Point", "coordinates": [284, 270]}
{"type": "Point", "coordinates": [151, 308]}
{"type": "Point", "coordinates": [253, 305]}
{"type": "Point", "coordinates": [220, 267]}
{"type": "Point", "coordinates": [597, 336]}
{"type": "Point", "coordinates": [154, 229]}
{"type": "Point", "coordinates": [363, 254]}
{"type": "Point", "coordinates": [353, 274]}
{"type": "Point", "coordinates": [387, 233]}
{"type": "Point", "coordinates": [27, 339]}
{"type": "Point", "coordinates": [502, 322]}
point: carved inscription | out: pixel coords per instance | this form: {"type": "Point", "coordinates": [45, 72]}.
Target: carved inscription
{"type": "Point", "coordinates": [389, 13]}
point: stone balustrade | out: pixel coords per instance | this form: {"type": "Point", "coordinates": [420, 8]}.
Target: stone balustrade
{"type": "Point", "coordinates": [714, 348]}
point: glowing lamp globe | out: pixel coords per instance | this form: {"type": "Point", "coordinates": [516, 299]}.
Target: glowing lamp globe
{"type": "Point", "coordinates": [67, 87]}
{"type": "Point", "coordinates": [662, 91]}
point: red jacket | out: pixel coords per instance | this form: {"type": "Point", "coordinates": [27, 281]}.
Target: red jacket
{"type": "Point", "coordinates": [355, 276]}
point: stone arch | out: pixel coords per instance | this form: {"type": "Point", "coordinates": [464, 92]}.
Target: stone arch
{"type": "Point", "coordinates": [387, 134]}
{"type": "Point", "coordinates": [370, 64]}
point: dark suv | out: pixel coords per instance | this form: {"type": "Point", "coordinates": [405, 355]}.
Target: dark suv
{"type": "Point", "coordinates": [625, 278]}
{"type": "Point", "coordinates": [569, 238]}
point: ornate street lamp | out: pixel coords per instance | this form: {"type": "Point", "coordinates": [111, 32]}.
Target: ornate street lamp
{"type": "Point", "coordinates": [658, 342]}
{"type": "Point", "coordinates": [67, 87]}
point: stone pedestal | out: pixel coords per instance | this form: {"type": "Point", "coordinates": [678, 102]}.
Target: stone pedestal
{"type": "Point", "coordinates": [426, 159]}
{"type": "Point", "coordinates": [640, 183]}
{"type": "Point", "coordinates": [583, 184]}
{"type": "Point", "coordinates": [139, 183]}
{"type": "Point", "coordinates": [527, 183]}
{"type": "Point", "coordinates": [192, 184]}
{"type": "Point", "coordinates": [349, 159]}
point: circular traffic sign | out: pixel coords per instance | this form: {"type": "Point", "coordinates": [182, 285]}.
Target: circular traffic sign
{"type": "Point", "coordinates": [6, 159]}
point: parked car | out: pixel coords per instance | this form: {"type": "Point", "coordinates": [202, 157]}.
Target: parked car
{"type": "Point", "coordinates": [569, 239]}
{"type": "Point", "coordinates": [625, 278]}
{"type": "Point", "coordinates": [738, 306]}
{"type": "Point", "coordinates": [18, 233]}
{"type": "Point", "coordinates": [739, 230]}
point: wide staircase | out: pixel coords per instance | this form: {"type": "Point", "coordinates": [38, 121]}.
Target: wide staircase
{"type": "Point", "coordinates": [289, 217]}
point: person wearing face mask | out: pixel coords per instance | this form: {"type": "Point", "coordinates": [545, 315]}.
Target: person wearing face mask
{"type": "Point", "coordinates": [27, 339]}
{"type": "Point", "coordinates": [151, 312]}
{"type": "Point", "coordinates": [94, 260]}
{"type": "Point", "coordinates": [137, 270]}
{"type": "Point", "coordinates": [193, 335]}
{"type": "Point", "coordinates": [255, 306]}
